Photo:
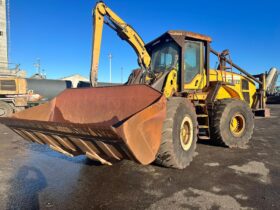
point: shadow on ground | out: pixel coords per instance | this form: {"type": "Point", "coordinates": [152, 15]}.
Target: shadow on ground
{"type": "Point", "coordinates": [25, 188]}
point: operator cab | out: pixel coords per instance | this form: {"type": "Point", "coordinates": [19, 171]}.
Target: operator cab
{"type": "Point", "coordinates": [185, 52]}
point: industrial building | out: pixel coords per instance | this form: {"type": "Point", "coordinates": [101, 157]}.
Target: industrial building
{"type": "Point", "coordinates": [3, 37]}
{"type": "Point", "coordinates": [5, 69]}
{"type": "Point", "coordinates": [75, 79]}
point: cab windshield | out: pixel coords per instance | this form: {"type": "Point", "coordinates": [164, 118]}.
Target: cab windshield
{"type": "Point", "coordinates": [165, 57]}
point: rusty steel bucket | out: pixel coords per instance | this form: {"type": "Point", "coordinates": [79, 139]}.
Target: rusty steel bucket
{"type": "Point", "coordinates": [106, 123]}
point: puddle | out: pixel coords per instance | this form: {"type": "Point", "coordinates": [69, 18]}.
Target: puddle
{"type": "Point", "coordinates": [253, 167]}
{"type": "Point", "coordinates": [194, 198]}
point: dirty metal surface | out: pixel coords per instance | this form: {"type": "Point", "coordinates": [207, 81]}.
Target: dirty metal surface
{"type": "Point", "coordinates": [106, 124]}
{"type": "Point", "coordinates": [190, 34]}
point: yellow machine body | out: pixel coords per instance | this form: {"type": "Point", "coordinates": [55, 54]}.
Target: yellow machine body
{"type": "Point", "coordinates": [232, 87]}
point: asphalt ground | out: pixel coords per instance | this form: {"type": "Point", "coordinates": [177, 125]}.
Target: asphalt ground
{"type": "Point", "coordinates": [35, 177]}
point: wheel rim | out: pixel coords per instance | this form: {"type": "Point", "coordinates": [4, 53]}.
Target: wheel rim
{"type": "Point", "coordinates": [237, 124]}
{"type": "Point", "coordinates": [186, 133]}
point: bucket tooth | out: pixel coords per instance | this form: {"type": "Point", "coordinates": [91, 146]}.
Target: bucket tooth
{"type": "Point", "coordinates": [92, 154]}
{"type": "Point", "coordinates": [65, 142]}
{"type": "Point", "coordinates": [58, 149]}
{"type": "Point", "coordinates": [31, 136]}
{"type": "Point", "coordinates": [96, 157]}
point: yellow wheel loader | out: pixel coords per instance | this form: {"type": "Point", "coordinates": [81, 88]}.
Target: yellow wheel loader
{"type": "Point", "coordinates": [13, 96]}
{"type": "Point", "coordinates": [158, 115]}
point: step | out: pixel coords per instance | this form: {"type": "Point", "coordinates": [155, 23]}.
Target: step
{"type": "Point", "coordinates": [202, 115]}
{"type": "Point", "coordinates": [200, 104]}
{"type": "Point", "coordinates": [203, 126]}
{"type": "Point", "coordinates": [204, 137]}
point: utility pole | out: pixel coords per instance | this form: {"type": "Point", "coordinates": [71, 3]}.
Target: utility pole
{"type": "Point", "coordinates": [44, 74]}
{"type": "Point", "coordinates": [110, 62]}
{"type": "Point", "coordinates": [37, 65]}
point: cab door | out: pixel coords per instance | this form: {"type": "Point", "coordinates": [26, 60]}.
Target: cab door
{"type": "Point", "coordinates": [193, 65]}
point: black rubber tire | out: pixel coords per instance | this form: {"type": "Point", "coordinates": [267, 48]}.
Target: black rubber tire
{"type": "Point", "coordinates": [6, 108]}
{"type": "Point", "coordinates": [223, 112]}
{"type": "Point", "coordinates": [171, 153]}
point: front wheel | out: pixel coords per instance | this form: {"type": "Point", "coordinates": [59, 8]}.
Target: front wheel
{"type": "Point", "coordinates": [179, 135]}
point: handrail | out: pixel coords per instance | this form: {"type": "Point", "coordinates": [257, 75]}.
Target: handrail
{"type": "Point", "coordinates": [237, 67]}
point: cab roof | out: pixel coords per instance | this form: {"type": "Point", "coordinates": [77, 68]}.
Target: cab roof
{"type": "Point", "coordinates": [189, 34]}
{"type": "Point", "coordinates": [180, 36]}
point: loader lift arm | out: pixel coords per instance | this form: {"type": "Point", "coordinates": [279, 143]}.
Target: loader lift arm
{"type": "Point", "coordinates": [124, 31]}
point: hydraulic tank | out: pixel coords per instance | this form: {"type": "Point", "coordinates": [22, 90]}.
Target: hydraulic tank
{"type": "Point", "coordinates": [47, 88]}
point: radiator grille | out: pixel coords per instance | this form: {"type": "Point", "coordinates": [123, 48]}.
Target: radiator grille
{"type": "Point", "coordinates": [8, 85]}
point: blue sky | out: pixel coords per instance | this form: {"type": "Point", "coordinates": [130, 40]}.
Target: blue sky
{"type": "Point", "coordinates": [59, 32]}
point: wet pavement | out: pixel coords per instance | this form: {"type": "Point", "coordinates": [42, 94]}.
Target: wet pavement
{"type": "Point", "coordinates": [35, 177]}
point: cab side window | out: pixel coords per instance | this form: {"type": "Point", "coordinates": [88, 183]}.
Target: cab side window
{"type": "Point", "coordinates": [192, 58]}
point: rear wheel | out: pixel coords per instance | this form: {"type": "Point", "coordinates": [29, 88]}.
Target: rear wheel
{"type": "Point", "coordinates": [179, 134]}
{"type": "Point", "coordinates": [232, 124]}
{"type": "Point", "coordinates": [5, 109]}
